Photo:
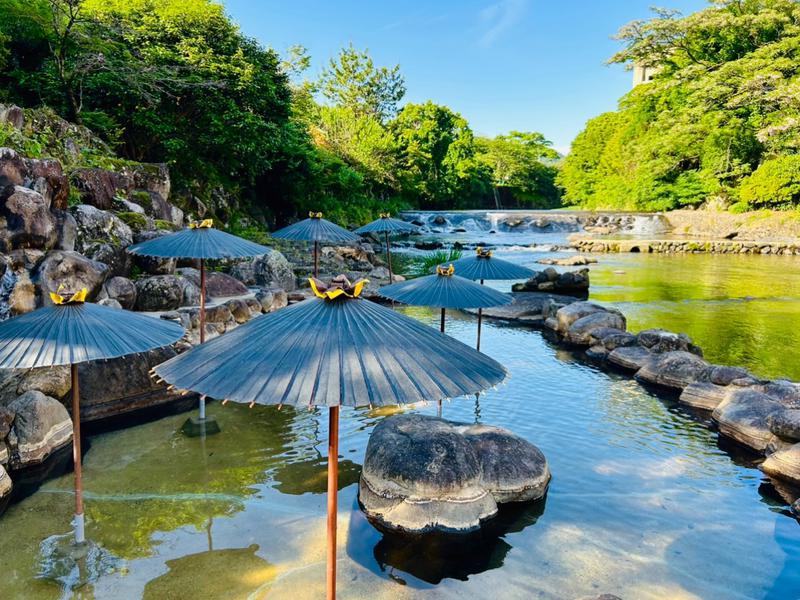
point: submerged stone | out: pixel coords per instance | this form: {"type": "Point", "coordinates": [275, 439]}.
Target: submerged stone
{"type": "Point", "coordinates": [424, 473]}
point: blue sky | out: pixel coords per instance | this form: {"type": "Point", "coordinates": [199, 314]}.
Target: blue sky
{"type": "Point", "coordinates": [529, 65]}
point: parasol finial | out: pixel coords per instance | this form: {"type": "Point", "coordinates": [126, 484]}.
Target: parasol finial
{"type": "Point", "coordinates": [204, 224]}
{"type": "Point", "coordinates": [78, 297]}
{"type": "Point", "coordinates": [483, 252]}
{"type": "Point", "coordinates": [339, 286]}
{"type": "Point", "coordinates": [314, 215]}
{"type": "Point", "coordinates": [445, 271]}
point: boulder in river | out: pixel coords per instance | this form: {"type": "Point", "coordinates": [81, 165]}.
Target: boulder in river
{"type": "Point", "coordinates": [629, 358]}
{"type": "Point", "coordinates": [41, 426]}
{"type": "Point", "coordinates": [703, 394]}
{"type": "Point", "coordinates": [744, 417]}
{"type": "Point", "coordinates": [424, 473]}
{"type": "Point", "coordinates": [581, 331]}
{"type": "Point", "coordinates": [784, 464]}
{"type": "Point", "coordinates": [660, 340]}
{"type": "Point", "coordinates": [676, 369]}
{"type": "Point", "coordinates": [570, 313]}
{"type": "Point", "coordinates": [785, 424]}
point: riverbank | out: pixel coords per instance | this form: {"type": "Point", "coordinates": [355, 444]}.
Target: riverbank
{"type": "Point", "coordinates": [758, 414]}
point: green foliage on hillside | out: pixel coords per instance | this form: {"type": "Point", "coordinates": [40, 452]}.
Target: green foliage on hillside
{"type": "Point", "coordinates": [719, 121]}
{"type": "Point", "coordinates": [176, 81]}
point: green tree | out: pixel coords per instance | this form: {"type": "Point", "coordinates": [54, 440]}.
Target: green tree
{"type": "Point", "coordinates": [437, 157]}
{"type": "Point", "coordinates": [724, 100]}
{"type": "Point", "coordinates": [522, 164]}
{"type": "Point", "coordinates": [353, 81]}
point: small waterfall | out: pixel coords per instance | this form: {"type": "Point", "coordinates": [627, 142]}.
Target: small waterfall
{"type": "Point", "coordinates": [7, 283]}
{"type": "Point", "coordinates": [646, 225]}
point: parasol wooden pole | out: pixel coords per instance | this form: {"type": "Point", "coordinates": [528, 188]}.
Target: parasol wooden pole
{"type": "Point", "coordinates": [316, 259]}
{"type": "Point", "coordinates": [202, 324]}
{"type": "Point", "coordinates": [202, 301]}
{"type": "Point", "coordinates": [441, 323]}
{"type": "Point", "coordinates": [480, 320]}
{"type": "Point", "coordinates": [333, 480]}
{"type": "Point", "coordinates": [80, 533]}
{"type": "Point", "coordinates": [388, 257]}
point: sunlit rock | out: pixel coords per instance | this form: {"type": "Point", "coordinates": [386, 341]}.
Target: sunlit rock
{"type": "Point", "coordinates": [784, 464]}
{"type": "Point", "coordinates": [743, 416]}
{"type": "Point", "coordinates": [674, 370]}
{"type": "Point", "coordinates": [703, 394]}
{"type": "Point", "coordinates": [630, 358]}
{"type": "Point", "coordinates": [41, 426]}
{"type": "Point", "coordinates": [423, 473]}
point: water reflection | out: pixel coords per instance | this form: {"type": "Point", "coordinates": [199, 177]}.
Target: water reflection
{"type": "Point", "coordinates": [430, 559]}
{"type": "Point", "coordinates": [228, 574]}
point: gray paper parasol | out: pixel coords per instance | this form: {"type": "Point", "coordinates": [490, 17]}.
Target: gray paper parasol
{"type": "Point", "coordinates": [72, 332]}
{"type": "Point", "coordinates": [387, 226]}
{"type": "Point", "coordinates": [333, 350]}
{"type": "Point", "coordinates": [315, 229]}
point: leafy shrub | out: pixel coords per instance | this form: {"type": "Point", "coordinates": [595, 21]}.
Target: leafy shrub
{"type": "Point", "coordinates": [774, 184]}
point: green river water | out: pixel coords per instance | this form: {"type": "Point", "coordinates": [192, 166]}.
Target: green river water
{"type": "Point", "coordinates": [645, 502]}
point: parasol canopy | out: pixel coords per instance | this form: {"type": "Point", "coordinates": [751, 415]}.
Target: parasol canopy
{"type": "Point", "coordinates": [201, 241]}
{"type": "Point", "coordinates": [444, 289]}
{"type": "Point", "coordinates": [333, 350]}
{"type": "Point", "coordinates": [482, 265]}
{"type": "Point", "coordinates": [315, 229]}
{"type": "Point", "coordinates": [71, 332]}
{"type": "Point", "coordinates": [66, 334]}
{"type": "Point", "coordinates": [386, 224]}
{"type": "Point", "coordinates": [341, 352]}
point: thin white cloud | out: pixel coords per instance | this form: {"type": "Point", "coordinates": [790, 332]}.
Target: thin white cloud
{"type": "Point", "coordinates": [499, 17]}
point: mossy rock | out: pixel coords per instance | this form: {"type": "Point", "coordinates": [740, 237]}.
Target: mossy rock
{"type": "Point", "coordinates": [142, 198]}
{"type": "Point", "coordinates": [165, 225]}
{"type": "Point", "coordinates": [133, 220]}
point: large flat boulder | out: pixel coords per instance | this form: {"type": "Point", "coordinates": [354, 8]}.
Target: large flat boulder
{"type": "Point", "coordinates": [744, 417]}
{"type": "Point", "coordinates": [581, 331]}
{"type": "Point", "coordinates": [703, 394]}
{"type": "Point", "coordinates": [41, 426]}
{"type": "Point", "coordinates": [784, 464]}
{"type": "Point", "coordinates": [100, 226]}
{"type": "Point", "coordinates": [785, 424]}
{"type": "Point", "coordinates": [423, 473]}
{"type": "Point", "coordinates": [570, 313]}
{"type": "Point", "coordinates": [675, 369]}
{"type": "Point", "coordinates": [629, 358]}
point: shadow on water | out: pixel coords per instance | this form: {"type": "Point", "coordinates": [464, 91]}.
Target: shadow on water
{"type": "Point", "coordinates": [427, 560]}
{"type": "Point", "coordinates": [311, 476]}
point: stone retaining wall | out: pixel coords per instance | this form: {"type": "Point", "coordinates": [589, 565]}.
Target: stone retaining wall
{"type": "Point", "coordinates": [686, 246]}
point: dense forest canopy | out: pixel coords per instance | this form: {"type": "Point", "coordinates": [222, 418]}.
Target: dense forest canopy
{"type": "Point", "coordinates": [176, 81]}
{"type": "Point", "coordinates": [719, 123]}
